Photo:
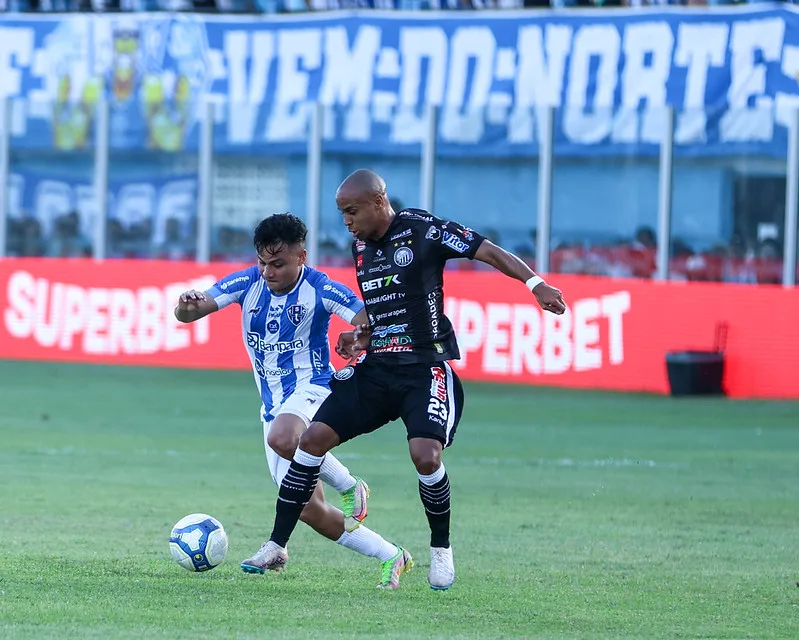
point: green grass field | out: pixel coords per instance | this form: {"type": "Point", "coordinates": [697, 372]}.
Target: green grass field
{"type": "Point", "coordinates": [578, 515]}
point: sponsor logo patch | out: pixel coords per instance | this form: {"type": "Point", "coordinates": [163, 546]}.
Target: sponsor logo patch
{"type": "Point", "coordinates": [344, 374]}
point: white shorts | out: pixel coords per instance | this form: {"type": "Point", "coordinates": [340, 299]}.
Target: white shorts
{"type": "Point", "coordinates": [303, 403]}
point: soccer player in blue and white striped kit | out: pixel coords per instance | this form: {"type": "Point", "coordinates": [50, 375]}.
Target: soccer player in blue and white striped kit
{"type": "Point", "coordinates": [285, 315]}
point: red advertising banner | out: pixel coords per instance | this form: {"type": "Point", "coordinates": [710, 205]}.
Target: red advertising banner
{"type": "Point", "coordinates": [615, 335]}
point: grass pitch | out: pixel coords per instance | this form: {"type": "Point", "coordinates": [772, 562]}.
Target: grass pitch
{"type": "Point", "coordinates": [575, 515]}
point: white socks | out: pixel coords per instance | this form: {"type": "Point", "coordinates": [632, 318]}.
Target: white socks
{"type": "Point", "coordinates": [335, 474]}
{"type": "Point", "coordinates": [434, 478]}
{"type": "Point", "coordinates": [363, 540]}
{"type": "Point", "coordinates": [368, 543]}
{"type": "Point", "coordinates": [332, 472]}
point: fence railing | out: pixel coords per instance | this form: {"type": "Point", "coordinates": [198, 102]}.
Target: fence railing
{"type": "Point", "coordinates": [202, 204]}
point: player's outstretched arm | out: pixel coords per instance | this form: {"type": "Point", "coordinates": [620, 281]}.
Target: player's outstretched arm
{"type": "Point", "coordinates": [549, 298]}
{"type": "Point", "coordinates": [193, 305]}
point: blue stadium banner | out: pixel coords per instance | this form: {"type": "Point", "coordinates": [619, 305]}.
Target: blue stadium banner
{"type": "Point", "coordinates": [730, 73]}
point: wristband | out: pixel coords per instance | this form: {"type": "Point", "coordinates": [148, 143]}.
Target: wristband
{"type": "Point", "coordinates": [533, 282]}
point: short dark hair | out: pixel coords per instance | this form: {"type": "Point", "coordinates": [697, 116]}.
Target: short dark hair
{"type": "Point", "coordinates": [278, 229]}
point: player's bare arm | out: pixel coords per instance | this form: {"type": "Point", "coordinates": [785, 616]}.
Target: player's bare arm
{"type": "Point", "coordinates": [193, 305]}
{"type": "Point", "coordinates": [352, 343]}
{"type": "Point", "coordinates": [549, 298]}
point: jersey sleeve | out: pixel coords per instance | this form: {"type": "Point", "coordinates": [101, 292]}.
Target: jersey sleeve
{"type": "Point", "coordinates": [232, 287]}
{"type": "Point", "coordinates": [453, 240]}
{"type": "Point", "coordinates": [339, 299]}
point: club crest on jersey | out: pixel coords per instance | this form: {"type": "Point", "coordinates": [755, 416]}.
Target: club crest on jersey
{"type": "Point", "coordinates": [403, 257]}
{"type": "Point", "coordinates": [296, 313]}
{"type": "Point", "coordinates": [273, 326]}
{"type": "Point", "coordinates": [433, 233]}
{"type": "Point", "coordinates": [344, 374]}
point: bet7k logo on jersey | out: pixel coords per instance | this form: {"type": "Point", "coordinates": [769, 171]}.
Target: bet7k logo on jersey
{"type": "Point", "coordinates": [380, 283]}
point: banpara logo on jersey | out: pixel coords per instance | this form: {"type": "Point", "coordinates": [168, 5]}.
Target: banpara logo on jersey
{"type": "Point", "coordinates": [256, 343]}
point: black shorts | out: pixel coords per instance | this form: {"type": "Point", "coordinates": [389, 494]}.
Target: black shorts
{"type": "Point", "coordinates": [427, 396]}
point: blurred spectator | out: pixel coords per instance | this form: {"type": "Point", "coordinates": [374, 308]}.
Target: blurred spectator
{"type": "Point", "coordinates": [30, 242]}
{"type": "Point", "coordinates": [769, 262]}
{"type": "Point", "coordinates": [299, 6]}
{"type": "Point", "coordinates": [645, 238]}
{"type": "Point", "coordinates": [769, 250]}
{"type": "Point", "coordinates": [527, 247]}
{"type": "Point", "coordinates": [67, 240]}
{"type": "Point", "coordinates": [232, 245]}
{"type": "Point", "coordinates": [176, 244]}
{"type": "Point", "coordinates": [115, 235]}
{"type": "Point", "coordinates": [131, 242]}
{"type": "Point", "coordinates": [739, 262]}
{"type": "Point", "coordinates": [680, 248]}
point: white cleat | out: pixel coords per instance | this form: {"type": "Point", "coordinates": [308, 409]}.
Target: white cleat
{"type": "Point", "coordinates": [442, 568]}
{"type": "Point", "coordinates": [270, 557]}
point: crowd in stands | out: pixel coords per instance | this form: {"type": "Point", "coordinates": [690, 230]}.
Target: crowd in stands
{"type": "Point", "coordinates": [737, 260]}
{"type": "Point", "coordinates": [295, 6]}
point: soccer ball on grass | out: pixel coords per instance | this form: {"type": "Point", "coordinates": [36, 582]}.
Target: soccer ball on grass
{"type": "Point", "coordinates": [198, 542]}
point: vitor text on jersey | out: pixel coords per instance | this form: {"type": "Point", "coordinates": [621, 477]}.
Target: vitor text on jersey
{"type": "Point", "coordinates": [100, 320]}
{"type": "Point", "coordinates": [517, 338]}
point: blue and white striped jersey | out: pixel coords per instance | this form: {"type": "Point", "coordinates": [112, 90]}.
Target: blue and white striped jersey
{"type": "Point", "coordinates": [286, 335]}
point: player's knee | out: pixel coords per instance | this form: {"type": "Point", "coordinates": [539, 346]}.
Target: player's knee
{"type": "Point", "coordinates": [318, 439]}
{"type": "Point", "coordinates": [426, 457]}
{"type": "Point", "coordinates": [283, 441]}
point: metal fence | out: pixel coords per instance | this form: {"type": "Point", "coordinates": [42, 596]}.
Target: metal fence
{"type": "Point", "coordinates": [432, 190]}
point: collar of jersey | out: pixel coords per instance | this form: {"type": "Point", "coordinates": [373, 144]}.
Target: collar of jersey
{"type": "Point", "coordinates": [393, 222]}
{"type": "Point", "coordinates": [290, 291]}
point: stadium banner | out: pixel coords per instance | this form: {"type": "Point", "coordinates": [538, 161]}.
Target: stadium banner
{"type": "Point", "coordinates": [615, 335]}
{"type": "Point", "coordinates": [731, 73]}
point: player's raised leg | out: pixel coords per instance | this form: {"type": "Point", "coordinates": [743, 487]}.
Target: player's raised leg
{"type": "Point", "coordinates": [329, 522]}
{"type": "Point", "coordinates": [342, 416]}
{"type": "Point", "coordinates": [296, 489]}
{"type": "Point", "coordinates": [283, 436]}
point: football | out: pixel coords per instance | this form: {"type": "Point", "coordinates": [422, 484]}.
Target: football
{"type": "Point", "coordinates": [198, 542]}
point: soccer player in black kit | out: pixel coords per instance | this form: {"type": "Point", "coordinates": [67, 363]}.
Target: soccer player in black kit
{"type": "Point", "coordinates": [399, 260]}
